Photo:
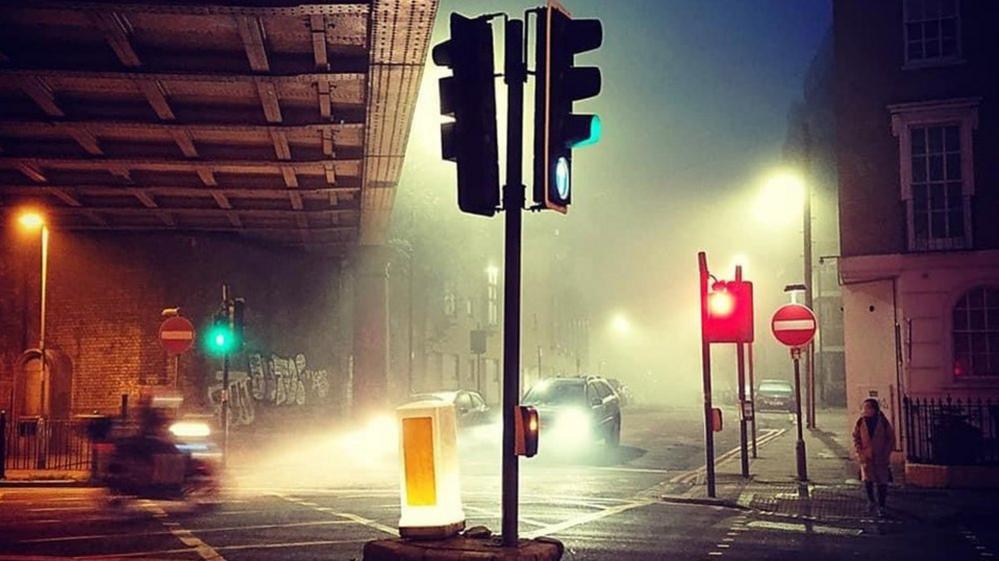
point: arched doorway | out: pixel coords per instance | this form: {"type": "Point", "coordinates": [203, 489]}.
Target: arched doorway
{"type": "Point", "coordinates": [43, 393]}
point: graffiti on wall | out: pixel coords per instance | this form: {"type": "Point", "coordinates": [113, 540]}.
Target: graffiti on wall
{"type": "Point", "coordinates": [270, 380]}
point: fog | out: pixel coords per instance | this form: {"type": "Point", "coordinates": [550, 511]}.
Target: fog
{"type": "Point", "coordinates": [695, 104]}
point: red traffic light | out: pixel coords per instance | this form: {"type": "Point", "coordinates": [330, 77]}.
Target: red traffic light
{"type": "Point", "coordinates": [729, 314]}
{"type": "Point", "coordinates": [527, 427]}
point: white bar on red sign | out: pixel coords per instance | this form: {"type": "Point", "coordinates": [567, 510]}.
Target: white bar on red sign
{"type": "Point", "coordinates": [176, 335]}
{"type": "Point", "coordinates": [794, 325]}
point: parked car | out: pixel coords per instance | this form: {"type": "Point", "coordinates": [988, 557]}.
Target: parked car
{"type": "Point", "coordinates": [775, 395]}
{"type": "Point", "coordinates": [469, 407]}
{"type": "Point", "coordinates": [623, 391]}
{"type": "Point", "coordinates": [577, 410]}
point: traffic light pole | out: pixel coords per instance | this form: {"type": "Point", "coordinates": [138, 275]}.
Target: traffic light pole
{"type": "Point", "coordinates": [741, 368]}
{"type": "Point", "coordinates": [515, 75]}
{"type": "Point", "coordinates": [225, 383]}
{"type": "Point", "coordinates": [709, 434]}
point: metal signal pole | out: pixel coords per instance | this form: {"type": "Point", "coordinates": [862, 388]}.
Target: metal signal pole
{"type": "Point", "coordinates": [515, 75]}
{"type": "Point", "coordinates": [709, 434]}
{"type": "Point", "coordinates": [741, 368]}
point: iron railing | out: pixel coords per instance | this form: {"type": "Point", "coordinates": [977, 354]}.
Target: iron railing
{"type": "Point", "coordinates": [948, 431]}
{"type": "Point", "coordinates": [34, 443]}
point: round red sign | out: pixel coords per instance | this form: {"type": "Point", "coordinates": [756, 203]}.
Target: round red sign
{"type": "Point", "coordinates": [794, 325]}
{"type": "Point", "coordinates": [176, 335]}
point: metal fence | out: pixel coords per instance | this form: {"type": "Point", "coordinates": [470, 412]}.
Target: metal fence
{"type": "Point", "coordinates": [949, 431]}
{"type": "Point", "coordinates": [44, 444]}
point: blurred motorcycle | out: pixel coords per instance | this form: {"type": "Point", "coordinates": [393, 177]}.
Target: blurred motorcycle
{"type": "Point", "coordinates": [164, 458]}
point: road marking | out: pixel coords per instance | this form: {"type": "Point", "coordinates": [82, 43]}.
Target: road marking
{"type": "Point", "coordinates": [171, 524]}
{"type": "Point", "coordinates": [632, 470]}
{"type": "Point", "coordinates": [805, 528]}
{"type": "Point", "coordinates": [346, 515]}
{"type": "Point", "coordinates": [589, 517]}
{"type": "Point", "coordinates": [222, 548]}
{"type": "Point", "coordinates": [690, 477]}
{"type": "Point", "coordinates": [494, 514]}
{"type": "Point", "coordinates": [205, 551]}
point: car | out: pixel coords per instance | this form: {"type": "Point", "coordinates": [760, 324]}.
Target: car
{"type": "Point", "coordinates": [775, 395]}
{"type": "Point", "coordinates": [469, 407]}
{"type": "Point", "coordinates": [577, 410]}
{"type": "Point", "coordinates": [623, 391]}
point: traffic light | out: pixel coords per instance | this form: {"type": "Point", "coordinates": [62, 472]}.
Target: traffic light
{"type": "Point", "coordinates": [559, 82]}
{"type": "Point", "coordinates": [729, 317]}
{"type": "Point", "coordinates": [219, 338]}
{"type": "Point", "coordinates": [527, 427]}
{"type": "Point", "coordinates": [469, 96]}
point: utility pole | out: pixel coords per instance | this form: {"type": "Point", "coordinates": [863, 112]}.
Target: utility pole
{"type": "Point", "coordinates": [807, 261]}
{"type": "Point", "coordinates": [515, 75]}
{"type": "Point", "coordinates": [741, 368]}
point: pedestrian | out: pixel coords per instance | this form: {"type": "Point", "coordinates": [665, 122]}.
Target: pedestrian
{"type": "Point", "coordinates": [874, 440]}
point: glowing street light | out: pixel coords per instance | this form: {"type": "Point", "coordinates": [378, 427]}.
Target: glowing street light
{"type": "Point", "coordinates": [620, 324]}
{"type": "Point", "coordinates": [31, 219]}
{"type": "Point", "coordinates": [781, 198]}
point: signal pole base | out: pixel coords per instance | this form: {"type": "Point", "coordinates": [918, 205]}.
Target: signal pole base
{"type": "Point", "coordinates": [489, 548]}
{"type": "Point", "coordinates": [799, 450]}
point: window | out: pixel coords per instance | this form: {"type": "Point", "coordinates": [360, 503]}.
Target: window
{"type": "Point", "coordinates": [450, 301]}
{"type": "Point", "coordinates": [932, 31]}
{"type": "Point", "coordinates": [937, 171]}
{"type": "Point", "coordinates": [492, 295]}
{"type": "Point", "coordinates": [976, 333]}
{"type": "Point", "coordinates": [937, 193]}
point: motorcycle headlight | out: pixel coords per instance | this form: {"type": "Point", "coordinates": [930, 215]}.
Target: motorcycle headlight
{"type": "Point", "coordinates": [190, 429]}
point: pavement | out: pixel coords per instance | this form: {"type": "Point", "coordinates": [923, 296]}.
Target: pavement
{"type": "Point", "coordinates": [322, 499]}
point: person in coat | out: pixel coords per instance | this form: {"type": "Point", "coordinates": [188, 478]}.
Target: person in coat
{"type": "Point", "coordinates": [873, 441]}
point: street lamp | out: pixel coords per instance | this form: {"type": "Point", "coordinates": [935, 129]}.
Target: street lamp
{"type": "Point", "coordinates": [781, 198]}
{"type": "Point", "coordinates": [34, 220]}
{"type": "Point", "coordinates": [621, 325]}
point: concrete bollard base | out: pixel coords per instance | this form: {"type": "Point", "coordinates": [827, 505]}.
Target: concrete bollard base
{"type": "Point", "coordinates": [461, 548]}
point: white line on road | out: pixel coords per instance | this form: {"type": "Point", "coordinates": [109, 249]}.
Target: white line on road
{"type": "Point", "coordinates": [205, 551]}
{"type": "Point", "coordinates": [347, 515]}
{"type": "Point", "coordinates": [222, 548]}
{"type": "Point", "coordinates": [589, 517]}
{"type": "Point", "coordinates": [177, 524]}
{"type": "Point", "coordinates": [805, 528]}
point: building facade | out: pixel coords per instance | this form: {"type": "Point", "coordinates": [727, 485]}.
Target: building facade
{"type": "Point", "coordinates": [917, 107]}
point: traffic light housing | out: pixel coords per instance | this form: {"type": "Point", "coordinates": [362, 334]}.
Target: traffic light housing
{"type": "Point", "coordinates": [527, 429]}
{"type": "Point", "coordinates": [559, 82]}
{"type": "Point", "coordinates": [469, 96]}
{"type": "Point", "coordinates": [220, 338]}
{"type": "Point", "coordinates": [729, 317]}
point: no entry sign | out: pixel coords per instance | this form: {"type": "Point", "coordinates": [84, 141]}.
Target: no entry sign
{"type": "Point", "coordinates": [794, 325]}
{"type": "Point", "coordinates": [176, 335]}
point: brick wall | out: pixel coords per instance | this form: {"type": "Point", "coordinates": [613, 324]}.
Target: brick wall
{"type": "Point", "coordinates": [106, 293]}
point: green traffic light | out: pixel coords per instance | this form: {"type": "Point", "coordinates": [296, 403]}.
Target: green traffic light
{"type": "Point", "coordinates": [595, 131]}
{"type": "Point", "coordinates": [220, 339]}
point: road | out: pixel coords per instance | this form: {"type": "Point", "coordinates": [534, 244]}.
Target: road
{"type": "Point", "coordinates": [600, 507]}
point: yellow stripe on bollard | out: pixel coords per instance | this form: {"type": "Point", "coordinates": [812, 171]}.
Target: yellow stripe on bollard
{"type": "Point", "coordinates": [418, 455]}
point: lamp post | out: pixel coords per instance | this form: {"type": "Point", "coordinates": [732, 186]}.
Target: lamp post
{"type": "Point", "coordinates": [785, 194]}
{"type": "Point", "coordinates": [34, 220]}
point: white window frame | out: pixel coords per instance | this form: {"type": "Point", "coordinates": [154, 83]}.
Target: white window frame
{"type": "Point", "coordinates": [969, 331]}
{"type": "Point", "coordinates": [940, 60]}
{"type": "Point", "coordinates": [492, 297]}
{"type": "Point", "coordinates": [960, 112]}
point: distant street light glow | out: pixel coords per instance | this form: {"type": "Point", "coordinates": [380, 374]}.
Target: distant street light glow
{"type": "Point", "coordinates": [621, 325]}
{"type": "Point", "coordinates": [781, 199]}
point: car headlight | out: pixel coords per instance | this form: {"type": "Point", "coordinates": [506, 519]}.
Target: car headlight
{"type": "Point", "coordinates": [573, 419]}
{"type": "Point", "coordinates": [190, 429]}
